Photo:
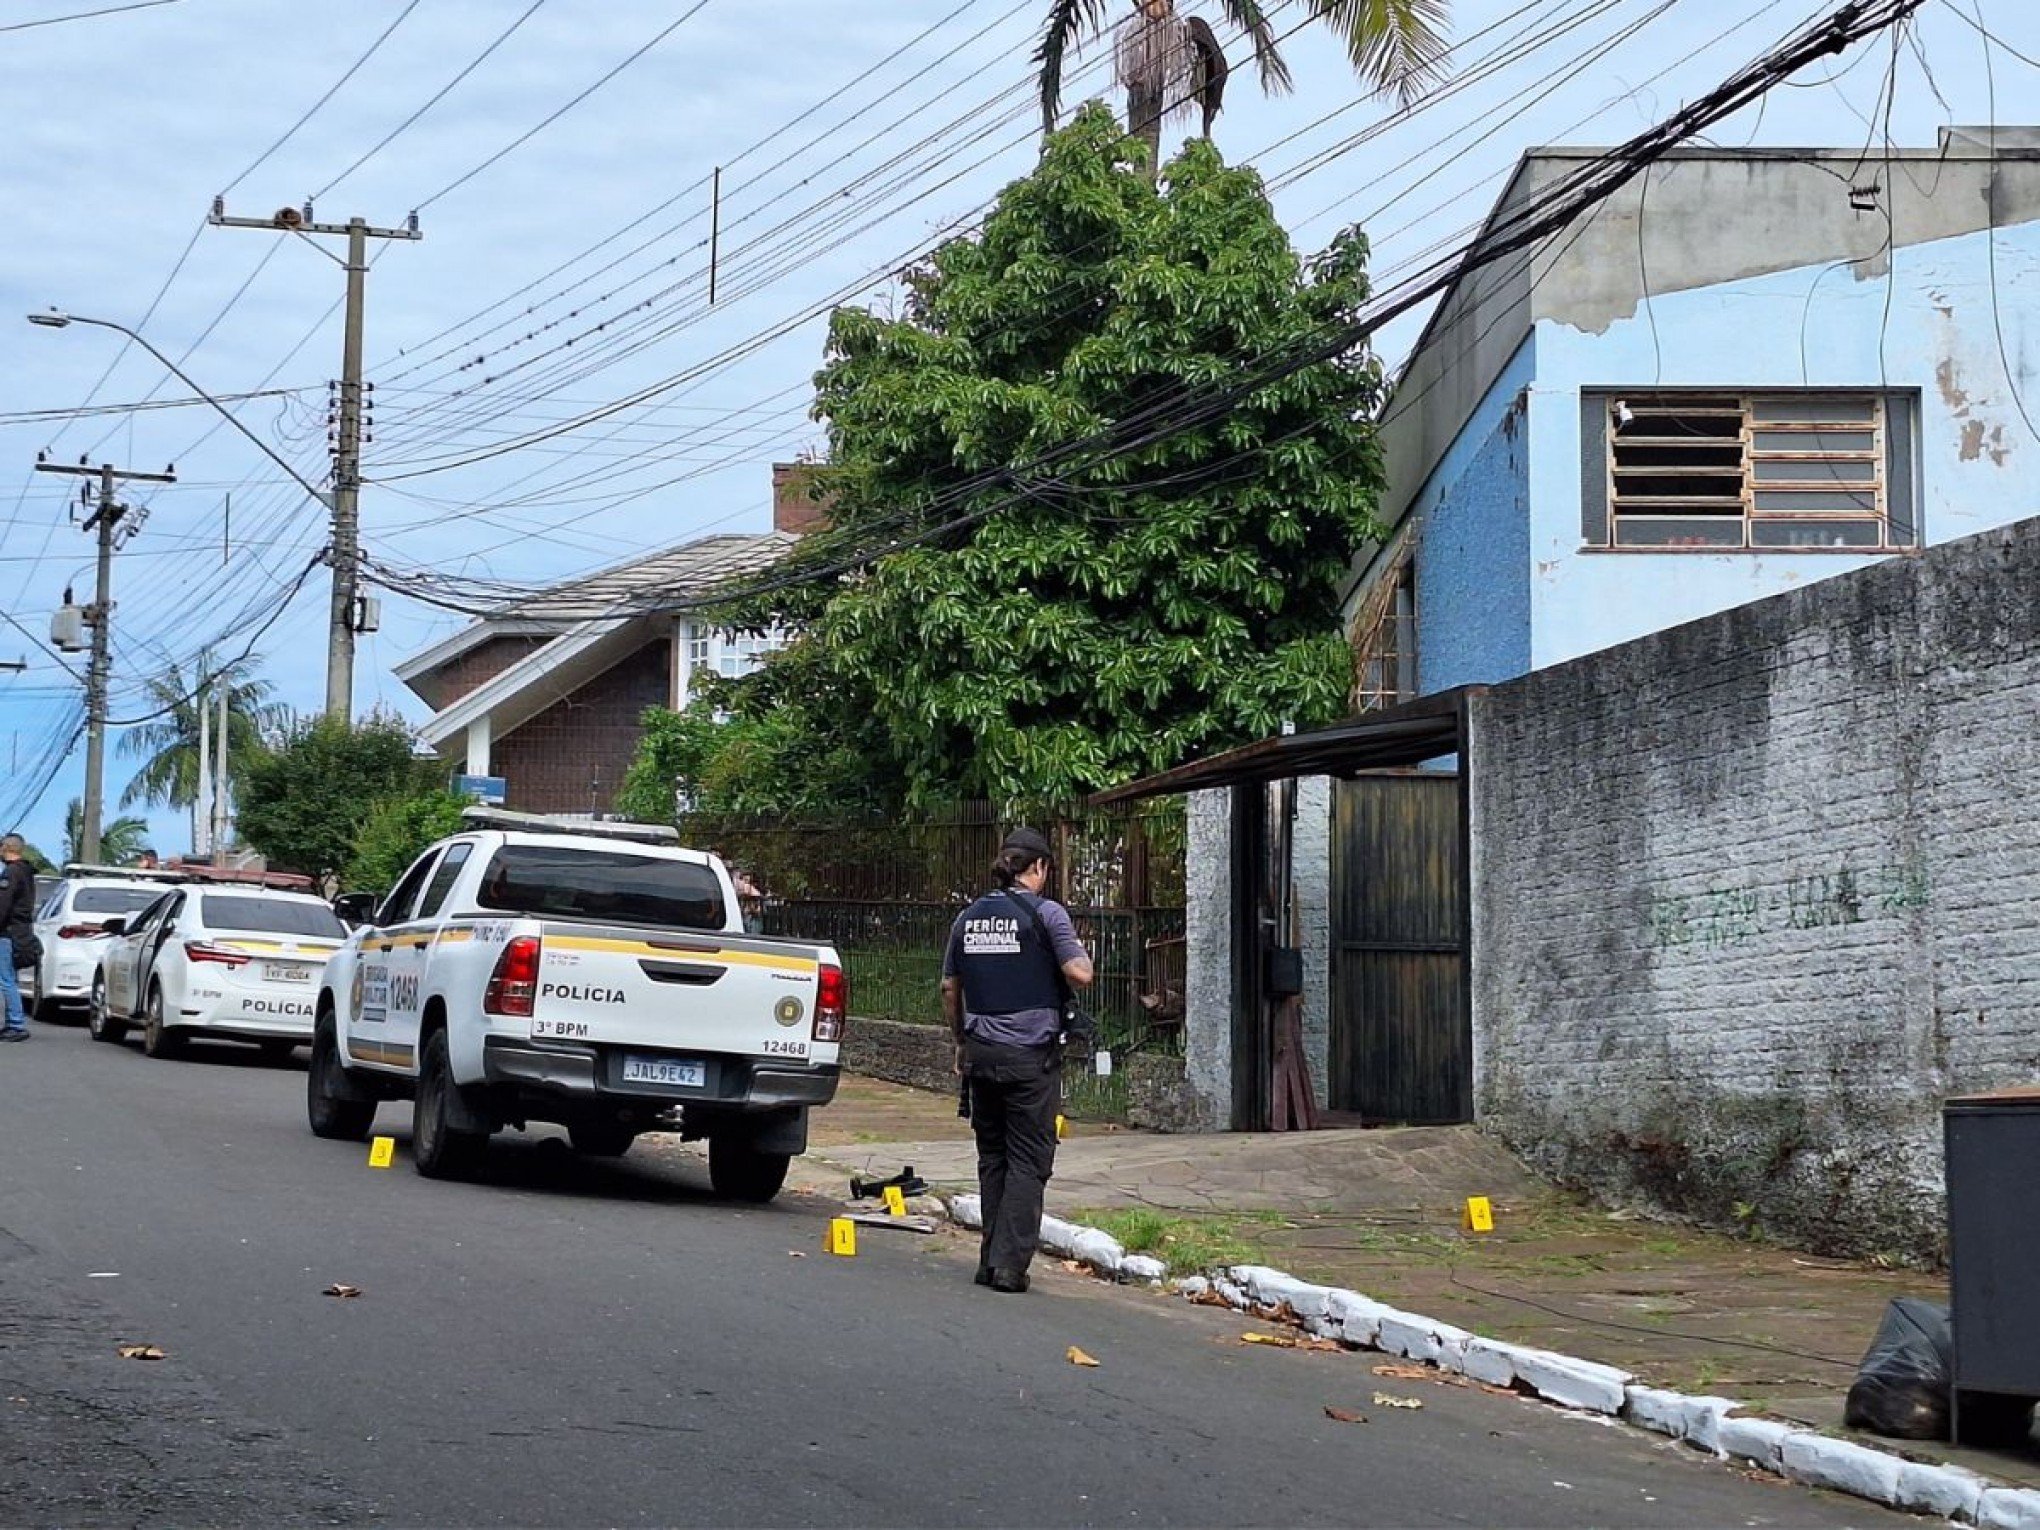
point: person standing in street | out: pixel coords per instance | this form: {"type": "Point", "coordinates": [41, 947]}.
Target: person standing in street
{"type": "Point", "coordinates": [17, 929]}
{"type": "Point", "coordinates": [1013, 958]}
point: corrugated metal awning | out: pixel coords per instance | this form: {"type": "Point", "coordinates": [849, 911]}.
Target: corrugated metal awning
{"type": "Point", "coordinates": [1393, 737]}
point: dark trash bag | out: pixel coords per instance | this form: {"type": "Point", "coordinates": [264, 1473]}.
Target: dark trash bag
{"type": "Point", "coordinates": [1901, 1388]}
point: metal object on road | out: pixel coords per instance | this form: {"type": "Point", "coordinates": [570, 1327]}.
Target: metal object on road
{"type": "Point", "coordinates": [1992, 1143]}
{"type": "Point", "coordinates": [907, 1182]}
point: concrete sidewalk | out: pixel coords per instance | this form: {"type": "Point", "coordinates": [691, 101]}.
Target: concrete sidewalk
{"type": "Point", "coordinates": [1380, 1212]}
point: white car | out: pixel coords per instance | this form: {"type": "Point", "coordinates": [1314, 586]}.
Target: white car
{"type": "Point", "coordinates": [70, 924]}
{"type": "Point", "coordinates": [239, 962]}
{"type": "Point", "coordinates": [592, 975]}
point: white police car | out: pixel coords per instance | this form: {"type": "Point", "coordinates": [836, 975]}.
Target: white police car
{"type": "Point", "coordinates": [238, 962]}
{"type": "Point", "coordinates": [70, 923]}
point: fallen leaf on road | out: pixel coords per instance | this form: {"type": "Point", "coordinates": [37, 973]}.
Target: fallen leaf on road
{"type": "Point", "coordinates": [141, 1352]}
{"type": "Point", "coordinates": [1292, 1341]}
{"type": "Point", "coordinates": [337, 1289]}
{"type": "Point", "coordinates": [1405, 1372]}
{"type": "Point", "coordinates": [1075, 1267]}
{"type": "Point", "coordinates": [1076, 1356]}
{"type": "Point", "coordinates": [1340, 1415]}
{"type": "Point", "coordinates": [1383, 1400]}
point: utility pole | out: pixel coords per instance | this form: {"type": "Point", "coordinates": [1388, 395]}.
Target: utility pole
{"type": "Point", "coordinates": [219, 801]}
{"type": "Point", "coordinates": [105, 520]}
{"type": "Point", "coordinates": [201, 799]}
{"type": "Point", "coordinates": [346, 498]}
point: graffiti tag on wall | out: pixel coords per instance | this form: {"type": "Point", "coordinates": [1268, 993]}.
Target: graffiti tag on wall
{"type": "Point", "coordinates": [1718, 918]}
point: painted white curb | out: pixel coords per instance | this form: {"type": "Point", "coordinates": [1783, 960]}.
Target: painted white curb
{"type": "Point", "coordinates": [1709, 1424]}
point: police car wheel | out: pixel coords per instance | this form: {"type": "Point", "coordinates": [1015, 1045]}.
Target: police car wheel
{"type": "Point", "coordinates": [740, 1172]}
{"type": "Point", "coordinates": [437, 1150]}
{"type": "Point", "coordinates": [332, 1117]}
{"type": "Point", "coordinates": [102, 1025]}
{"type": "Point", "coordinates": [158, 1040]}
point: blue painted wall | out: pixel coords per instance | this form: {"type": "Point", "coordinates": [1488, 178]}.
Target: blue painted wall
{"type": "Point", "coordinates": [1811, 326]}
{"type": "Point", "coordinates": [1472, 556]}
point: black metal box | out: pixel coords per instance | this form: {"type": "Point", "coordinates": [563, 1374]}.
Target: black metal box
{"type": "Point", "coordinates": [1993, 1161]}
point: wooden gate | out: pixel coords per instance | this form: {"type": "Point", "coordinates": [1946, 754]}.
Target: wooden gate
{"type": "Point", "coordinates": [1402, 1040]}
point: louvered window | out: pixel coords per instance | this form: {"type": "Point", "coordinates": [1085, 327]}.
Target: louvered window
{"type": "Point", "coordinates": [1757, 471]}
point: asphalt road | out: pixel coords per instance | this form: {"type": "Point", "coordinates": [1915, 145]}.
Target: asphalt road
{"type": "Point", "coordinates": [589, 1343]}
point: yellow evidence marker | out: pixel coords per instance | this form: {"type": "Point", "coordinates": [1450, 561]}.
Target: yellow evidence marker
{"type": "Point", "coordinates": [382, 1152]}
{"type": "Point", "coordinates": [895, 1202]}
{"type": "Point", "coordinates": [1480, 1216]}
{"type": "Point", "coordinates": [843, 1237]}
{"type": "Point", "coordinates": [1062, 1127]}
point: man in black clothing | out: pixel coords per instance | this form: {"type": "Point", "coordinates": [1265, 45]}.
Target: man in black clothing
{"type": "Point", "coordinates": [1012, 958]}
{"type": "Point", "coordinates": [17, 929]}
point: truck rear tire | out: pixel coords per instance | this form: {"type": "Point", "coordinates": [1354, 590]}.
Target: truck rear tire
{"type": "Point", "coordinates": [438, 1151]}
{"type": "Point", "coordinates": [333, 1116]}
{"type": "Point", "coordinates": [740, 1171]}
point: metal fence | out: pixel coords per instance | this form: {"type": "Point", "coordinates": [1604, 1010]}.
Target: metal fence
{"type": "Point", "coordinates": [885, 894]}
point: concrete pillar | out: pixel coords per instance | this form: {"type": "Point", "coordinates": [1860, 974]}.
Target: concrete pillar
{"type": "Point", "coordinates": [1207, 968]}
{"type": "Point", "coordinates": [478, 740]}
{"type": "Point", "coordinates": [1313, 841]}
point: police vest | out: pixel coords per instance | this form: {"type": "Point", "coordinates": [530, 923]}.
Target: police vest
{"type": "Point", "coordinates": [1004, 958]}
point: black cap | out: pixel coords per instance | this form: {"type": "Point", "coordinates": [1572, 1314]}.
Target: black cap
{"type": "Point", "coordinates": [1030, 842]}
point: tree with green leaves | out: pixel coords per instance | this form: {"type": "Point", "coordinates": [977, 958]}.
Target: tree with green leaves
{"type": "Point", "coordinates": [119, 841]}
{"type": "Point", "coordinates": [1141, 606]}
{"type": "Point", "coordinates": [396, 832]}
{"type": "Point", "coordinates": [168, 744]}
{"type": "Point", "coordinates": [304, 802]}
{"type": "Point", "coordinates": [1170, 62]}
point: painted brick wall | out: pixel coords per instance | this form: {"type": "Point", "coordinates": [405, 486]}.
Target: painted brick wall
{"type": "Point", "coordinates": [1753, 895]}
{"type": "Point", "coordinates": [571, 757]}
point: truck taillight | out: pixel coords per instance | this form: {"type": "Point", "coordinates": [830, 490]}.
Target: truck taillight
{"type": "Point", "coordinates": [199, 951]}
{"type": "Point", "coordinates": [514, 984]}
{"type": "Point", "coordinates": [832, 1004]}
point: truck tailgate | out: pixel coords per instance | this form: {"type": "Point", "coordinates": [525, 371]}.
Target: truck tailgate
{"type": "Point", "coordinates": [708, 993]}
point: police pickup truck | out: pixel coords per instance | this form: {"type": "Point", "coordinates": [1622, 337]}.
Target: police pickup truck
{"type": "Point", "coordinates": [592, 975]}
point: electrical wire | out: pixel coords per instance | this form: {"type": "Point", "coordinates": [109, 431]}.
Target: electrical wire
{"type": "Point", "coordinates": [111, 10]}
{"type": "Point", "coordinates": [546, 122]}
{"type": "Point", "coordinates": [331, 90]}
{"type": "Point", "coordinates": [1586, 186]}
{"type": "Point", "coordinates": [433, 100]}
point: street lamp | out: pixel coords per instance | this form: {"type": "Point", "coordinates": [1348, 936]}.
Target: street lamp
{"type": "Point", "coordinates": [55, 319]}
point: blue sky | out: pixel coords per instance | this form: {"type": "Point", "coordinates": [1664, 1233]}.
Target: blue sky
{"type": "Point", "coordinates": [852, 135]}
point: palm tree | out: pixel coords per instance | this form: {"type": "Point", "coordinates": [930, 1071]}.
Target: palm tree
{"type": "Point", "coordinates": [168, 746]}
{"type": "Point", "coordinates": [119, 842]}
{"type": "Point", "coordinates": [1169, 64]}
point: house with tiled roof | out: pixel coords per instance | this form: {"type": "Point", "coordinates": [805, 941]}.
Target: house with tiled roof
{"type": "Point", "coordinates": [547, 692]}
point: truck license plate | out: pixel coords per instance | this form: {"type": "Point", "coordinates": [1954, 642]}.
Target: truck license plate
{"type": "Point", "coordinates": [664, 1070]}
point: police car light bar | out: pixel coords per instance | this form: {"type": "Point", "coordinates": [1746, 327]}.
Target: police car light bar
{"type": "Point", "coordinates": [593, 828]}
{"type": "Point", "coordinates": [129, 873]}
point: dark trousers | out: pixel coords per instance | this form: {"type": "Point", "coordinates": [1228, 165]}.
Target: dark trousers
{"type": "Point", "coordinates": [1014, 1092]}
